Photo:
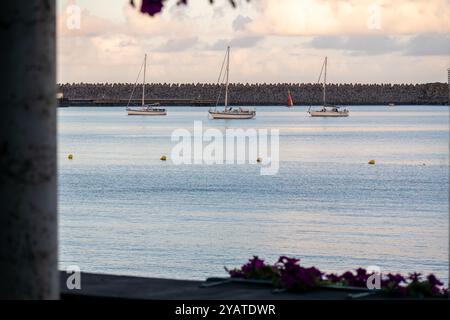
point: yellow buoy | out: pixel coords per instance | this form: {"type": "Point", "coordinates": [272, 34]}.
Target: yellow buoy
{"type": "Point", "coordinates": [258, 159]}
{"type": "Point", "coordinates": [163, 158]}
{"type": "Point", "coordinates": [70, 156]}
{"type": "Point", "coordinates": [371, 161]}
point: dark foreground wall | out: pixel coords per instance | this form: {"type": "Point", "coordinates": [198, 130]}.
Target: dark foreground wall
{"type": "Point", "coordinates": [28, 206]}
{"type": "Point", "coordinates": [103, 286]}
{"type": "Point", "coordinates": [271, 94]}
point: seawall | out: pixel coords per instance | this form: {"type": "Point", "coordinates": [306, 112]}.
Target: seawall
{"type": "Point", "coordinates": [257, 94]}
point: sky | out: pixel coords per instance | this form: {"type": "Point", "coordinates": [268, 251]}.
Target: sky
{"type": "Point", "coordinates": [272, 41]}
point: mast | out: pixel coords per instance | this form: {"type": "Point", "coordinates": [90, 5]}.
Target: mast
{"type": "Point", "coordinates": [325, 82]}
{"type": "Point", "coordinates": [226, 85]}
{"type": "Point", "coordinates": [143, 81]}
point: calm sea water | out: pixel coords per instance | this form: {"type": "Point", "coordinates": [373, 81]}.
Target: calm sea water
{"type": "Point", "coordinates": [124, 211]}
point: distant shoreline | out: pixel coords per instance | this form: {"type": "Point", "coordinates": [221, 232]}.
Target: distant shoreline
{"type": "Point", "coordinates": [202, 94]}
{"type": "Point", "coordinates": [91, 105]}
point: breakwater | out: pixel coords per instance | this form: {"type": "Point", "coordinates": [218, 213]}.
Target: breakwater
{"type": "Point", "coordinates": [256, 94]}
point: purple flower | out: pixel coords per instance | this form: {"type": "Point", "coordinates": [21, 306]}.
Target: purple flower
{"type": "Point", "coordinates": [333, 277]}
{"type": "Point", "coordinates": [395, 278]}
{"type": "Point", "coordinates": [255, 268]}
{"type": "Point", "coordinates": [235, 273]}
{"type": "Point", "coordinates": [434, 282]}
{"type": "Point", "coordinates": [253, 264]}
{"type": "Point", "coordinates": [349, 278]}
{"type": "Point", "coordinates": [151, 7]}
{"type": "Point", "coordinates": [289, 274]}
{"type": "Point", "coordinates": [394, 285]}
{"type": "Point", "coordinates": [295, 277]}
{"type": "Point", "coordinates": [414, 276]}
{"type": "Point", "coordinates": [286, 260]}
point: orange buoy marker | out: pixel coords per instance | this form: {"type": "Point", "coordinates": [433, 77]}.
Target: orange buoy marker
{"type": "Point", "coordinates": [163, 158]}
{"type": "Point", "coordinates": [70, 156]}
{"type": "Point", "coordinates": [371, 161]}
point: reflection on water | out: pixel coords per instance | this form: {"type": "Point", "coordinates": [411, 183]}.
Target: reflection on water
{"type": "Point", "coordinates": [124, 211]}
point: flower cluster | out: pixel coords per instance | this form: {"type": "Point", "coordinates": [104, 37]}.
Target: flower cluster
{"type": "Point", "coordinates": [394, 284]}
{"type": "Point", "coordinates": [152, 7]}
{"type": "Point", "coordinates": [348, 278]}
{"type": "Point", "coordinates": [287, 273]}
{"type": "Point", "coordinates": [429, 287]}
{"type": "Point", "coordinates": [294, 277]}
{"type": "Point", "coordinates": [254, 269]}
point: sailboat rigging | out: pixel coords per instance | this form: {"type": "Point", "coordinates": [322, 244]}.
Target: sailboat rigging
{"type": "Point", "coordinates": [230, 112]}
{"type": "Point", "coordinates": [328, 110]}
{"type": "Point", "coordinates": [145, 109]}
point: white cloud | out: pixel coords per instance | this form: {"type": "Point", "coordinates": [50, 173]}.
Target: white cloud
{"type": "Point", "coordinates": [179, 44]}
{"type": "Point", "coordinates": [423, 44]}
{"type": "Point", "coordinates": [240, 23]}
{"type": "Point", "coordinates": [272, 41]}
{"type": "Point", "coordinates": [319, 17]}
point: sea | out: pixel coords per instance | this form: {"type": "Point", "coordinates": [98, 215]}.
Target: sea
{"type": "Point", "coordinates": [124, 211]}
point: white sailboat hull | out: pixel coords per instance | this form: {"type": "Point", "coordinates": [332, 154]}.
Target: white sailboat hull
{"type": "Point", "coordinates": [232, 115]}
{"type": "Point", "coordinates": [146, 109]}
{"type": "Point", "coordinates": [331, 114]}
{"type": "Point", "coordinates": [327, 111]}
{"type": "Point", "coordinates": [230, 112]}
{"type": "Point", "coordinates": [146, 113]}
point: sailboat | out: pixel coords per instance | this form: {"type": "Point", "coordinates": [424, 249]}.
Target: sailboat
{"type": "Point", "coordinates": [289, 100]}
{"type": "Point", "coordinates": [230, 112]}
{"type": "Point", "coordinates": [327, 110]}
{"type": "Point", "coordinates": [145, 109]}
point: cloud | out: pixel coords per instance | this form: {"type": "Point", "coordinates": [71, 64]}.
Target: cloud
{"type": "Point", "coordinates": [179, 44]}
{"type": "Point", "coordinates": [284, 41]}
{"type": "Point", "coordinates": [429, 45]}
{"type": "Point", "coordinates": [246, 42]}
{"type": "Point", "coordinates": [89, 25]}
{"type": "Point", "coordinates": [357, 44]}
{"type": "Point", "coordinates": [418, 45]}
{"type": "Point", "coordinates": [238, 42]}
{"type": "Point", "coordinates": [240, 23]}
{"type": "Point", "coordinates": [178, 11]}
{"type": "Point", "coordinates": [320, 17]}
{"type": "Point", "coordinates": [218, 11]}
